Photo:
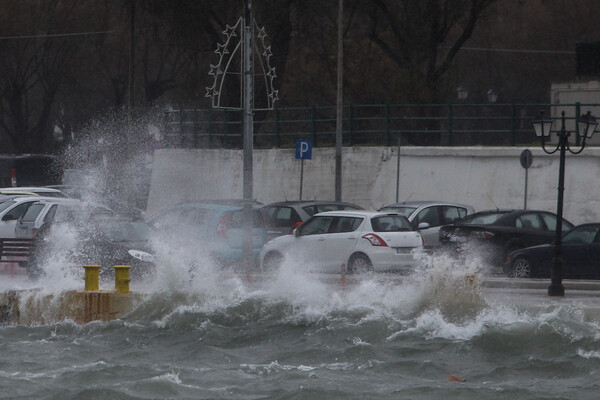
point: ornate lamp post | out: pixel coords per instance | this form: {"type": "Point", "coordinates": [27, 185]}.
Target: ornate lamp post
{"type": "Point", "coordinates": [542, 127]}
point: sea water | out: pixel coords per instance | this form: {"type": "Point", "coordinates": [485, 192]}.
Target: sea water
{"type": "Point", "coordinates": [202, 333]}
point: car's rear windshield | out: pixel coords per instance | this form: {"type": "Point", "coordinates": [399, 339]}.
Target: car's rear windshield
{"type": "Point", "coordinates": [482, 219]}
{"type": "Point", "coordinates": [391, 223]}
{"type": "Point", "coordinates": [32, 212]}
{"type": "Point", "coordinates": [236, 219]}
{"type": "Point", "coordinates": [124, 231]}
{"type": "Point", "coordinates": [406, 211]}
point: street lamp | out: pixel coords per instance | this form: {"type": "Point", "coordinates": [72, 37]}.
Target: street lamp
{"type": "Point", "coordinates": [542, 127]}
{"type": "Point", "coordinates": [462, 93]}
{"type": "Point", "coordinates": [492, 95]}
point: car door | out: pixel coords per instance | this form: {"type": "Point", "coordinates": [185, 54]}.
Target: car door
{"type": "Point", "coordinates": [431, 216]}
{"type": "Point", "coordinates": [340, 242]}
{"type": "Point", "coordinates": [310, 244]}
{"type": "Point", "coordinates": [10, 217]}
{"type": "Point", "coordinates": [581, 253]}
{"type": "Point", "coordinates": [531, 230]}
{"type": "Point", "coordinates": [24, 225]}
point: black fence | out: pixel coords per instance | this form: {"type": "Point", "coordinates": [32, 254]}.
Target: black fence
{"type": "Point", "coordinates": [375, 125]}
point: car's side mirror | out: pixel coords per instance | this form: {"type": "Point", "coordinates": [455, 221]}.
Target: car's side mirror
{"type": "Point", "coordinates": [423, 225]}
{"type": "Point", "coordinates": [296, 232]}
{"type": "Point", "coordinates": [9, 217]}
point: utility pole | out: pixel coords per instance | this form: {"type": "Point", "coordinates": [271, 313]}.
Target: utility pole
{"type": "Point", "coordinates": [241, 42]}
{"type": "Point", "coordinates": [248, 133]}
{"type": "Point", "coordinates": [339, 109]}
{"type": "Point", "coordinates": [131, 58]}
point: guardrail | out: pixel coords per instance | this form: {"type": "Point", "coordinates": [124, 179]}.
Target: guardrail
{"type": "Point", "coordinates": [374, 124]}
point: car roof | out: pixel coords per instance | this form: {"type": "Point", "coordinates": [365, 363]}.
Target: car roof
{"type": "Point", "coordinates": [22, 199]}
{"type": "Point", "coordinates": [309, 202]}
{"type": "Point", "coordinates": [38, 189]}
{"type": "Point", "coordinates": [358, 213]}
{"type": "Point", "coordinates": [15, 193]}
{"type": "Point", "coordinates": [421, 203]}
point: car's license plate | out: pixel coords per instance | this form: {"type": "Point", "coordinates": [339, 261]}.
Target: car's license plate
{"type": "Point", "coordinates": [403, 250]}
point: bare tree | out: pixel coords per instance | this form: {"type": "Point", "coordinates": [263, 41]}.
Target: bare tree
{"type": "Point", "coordinates": [422, 37]}
{"type": "Point", "coordinates": [32, 70]}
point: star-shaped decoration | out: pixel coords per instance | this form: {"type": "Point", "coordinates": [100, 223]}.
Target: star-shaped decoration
{"type": "Point", "coordinates": [230, 31]}
{"type": "Point", "coordinates": [222, 49]}
{"type": "Point", "coordinates": [267, 53]}
{"type": "Point", "coordinates": [261, 33]}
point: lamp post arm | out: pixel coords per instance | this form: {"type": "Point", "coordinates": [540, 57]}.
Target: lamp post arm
{"type": "Point", "coordinates": [551, 151]}
{"type": "Point", "coordinates": [575, 151]}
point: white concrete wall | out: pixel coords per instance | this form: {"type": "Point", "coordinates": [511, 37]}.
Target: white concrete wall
{"type": "Point", "coordinates": [484, 177]}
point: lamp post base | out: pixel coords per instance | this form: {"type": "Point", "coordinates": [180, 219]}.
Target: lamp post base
{"type": "Point", "coordinates": [557, 290]}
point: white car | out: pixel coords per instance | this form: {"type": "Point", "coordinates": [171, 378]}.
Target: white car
{"type": "Point", "coordinates": [10, 212]}
{"type": "Point", "coordinates": [39, 190]}
{"type": "Point", "coordinates": [362, 240]}
{"type": "Point", "coordinates": [38, 213]}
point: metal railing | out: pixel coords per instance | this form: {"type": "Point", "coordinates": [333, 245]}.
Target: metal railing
{"type": "Point", "coordinates": [375, 124]}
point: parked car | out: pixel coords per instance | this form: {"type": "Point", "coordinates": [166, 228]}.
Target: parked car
{"type": "Point", "coordinates": [428, 216]}
{"type": "Point", "coordinates": [495, 233]}
{"type": "Point", "coordinates": [580, 256]}
{"type": "Point", "coordinates": [216, 227]}
{"type": "Point", "coordinates": [104, 239]}
{"type": "Point", "coordinates": [283, 217]}
{"type": "Point", "coordinates": [39, 190]}
{"type": "Point", "coordinates": [13, 209]}
{"type": "Point", "coordinates": [363, 240]}
{"type": "Point", "coordinates": [43, 211]}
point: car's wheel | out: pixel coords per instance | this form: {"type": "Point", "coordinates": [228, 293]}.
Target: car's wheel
{"type": "Point", "coordinates": [272, 261]}
{"type": "Point", "coordinates": [359, 263]}
{"type": "Point", "coordinates": [521, 268]}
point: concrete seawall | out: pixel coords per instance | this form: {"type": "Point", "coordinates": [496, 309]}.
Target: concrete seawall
{"type": "Point", "coordinates": [485, 177]}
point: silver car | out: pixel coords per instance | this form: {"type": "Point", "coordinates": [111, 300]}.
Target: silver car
{"type": "Point", "coordinates": [283, 217]}
{"type": "Point", "coordinates": [428, 216]}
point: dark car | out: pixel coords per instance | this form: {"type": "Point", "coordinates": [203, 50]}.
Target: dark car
{"type": "Point", "coordinates": [102, 239]}
{"type": "Point", "coordinates": [495, 233]}
{"type": "Point", "coordinates": [580, 256]}
{"type": "Point", "coordinates": [283, 217]}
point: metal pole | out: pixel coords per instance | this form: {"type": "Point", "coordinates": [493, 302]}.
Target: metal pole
{"type": "Point", "coordinates": [398, 169]}
{"type": "Point", "coordinates": [525, 198]}
{"type": "Point", "coordinates": [556, 287]}
{"type": "Point", "coordinates": [248, 135]}
{"type": "Point", "coordinates": [131, 57]}
{"type": "Point", "coordinates": [338, 125]}
{"type": "Point", "coordinates": [301, 176]}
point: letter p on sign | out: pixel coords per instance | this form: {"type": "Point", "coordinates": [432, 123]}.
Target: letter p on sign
{"type": "Point", "coordinates": [303, 149]}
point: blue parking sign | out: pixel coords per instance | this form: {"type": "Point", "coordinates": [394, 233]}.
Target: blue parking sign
{"type": "Point", "coordinates": [303, 149]}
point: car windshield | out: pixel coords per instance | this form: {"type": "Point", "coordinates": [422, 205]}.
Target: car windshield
{"type": "Point", "coordinates": [6, 204]}
{"type": "Point", "coordinates": [406, 211]}
{"type": "Point", "coordinates": [391, 223]}
{"type": "Point", "coordinates": [581, 234]}
{"type": "Point", "coordinates": [482, 219]}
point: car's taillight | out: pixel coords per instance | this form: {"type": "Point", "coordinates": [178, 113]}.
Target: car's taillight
{"type": "Point", "coordinates": [375, 240]}
{"type": "Point", "coordinates": [222, 225]}
{"type": "Point", "coordinates": [297, 224]}
{"type": "Point", "coordinates": [482, 235]}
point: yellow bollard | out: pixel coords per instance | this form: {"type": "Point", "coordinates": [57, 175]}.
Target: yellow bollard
{"type": "Point", "coordinates": [92, 273]}
{"type": "Point", "coordinates": [122, 278]}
